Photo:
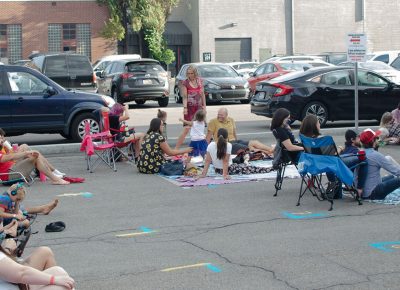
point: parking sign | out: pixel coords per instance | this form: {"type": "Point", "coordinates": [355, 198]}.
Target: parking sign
{"type": "Point", "coordinates": [206, 56]}
{"type": "Point", "coordinates": [356, 47]}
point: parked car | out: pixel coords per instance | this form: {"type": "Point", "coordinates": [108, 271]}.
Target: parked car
{"type": "Point", "coordinates": [379, 67]}
{"type": "Point", "coordinates": [273, 69]}
{"type": "Point", "coordinates": [30, 102]}
{"type": "Point", "coordinates": [333, 57]}
{"type": "Point", "coordinates": [383, 56]}
{"type": "Point", "coordinates": [221, 83]}
{"type": "Point", "coordinates": [396, 63]}
{"type": "Point", "coordinates": [70, 70]}
{"type": "Point", "coordinates": [244, 68]}
{"type": "Point", "coordinates": [103, 62]}
{"type": "Point", "coordinates": [135, 80]}
{"type": "Point", "coordinates": [294, 58]}
{"type": "Point", "coordinates": [22, 62]}
{"type": "Point", "coordinates": [328, 93]}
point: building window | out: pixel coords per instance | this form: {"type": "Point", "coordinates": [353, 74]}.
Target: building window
{"type": "Point", "coordinates": [69, 31]}
{"type": "Point", "coordinates": [12, 46]}
{"type": "Point", "coordinates": [54, 34]}
{"type": "Point", "coordinates": [3, 52]}
{"type": "Point", "coordinates": [84, 40]}
{"type": "Point", "coordinates": [3, 32]}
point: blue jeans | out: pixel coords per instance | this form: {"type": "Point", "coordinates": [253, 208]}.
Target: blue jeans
{"type": "Point", "coordinates": [388, 184]}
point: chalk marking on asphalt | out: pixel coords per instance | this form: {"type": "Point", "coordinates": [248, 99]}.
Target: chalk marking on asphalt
{"type": "Point", "coordinates": [303, 215]}
{"type": "Point", "coordinates": [386, 246]}
{"type": "Point", "coordinates": [84, 194]}
{"type": "Point", "coordinates": [207, 265]}
{"type": "Point", "coordinates": [144, 231]}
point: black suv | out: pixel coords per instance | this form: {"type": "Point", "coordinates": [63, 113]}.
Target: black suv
{"type": "Point", "coordinates": [134, 80]}
{"type": "Point", "coordinates": [30, 102]}
{"type": "Point", "coordinates": [70, 70]}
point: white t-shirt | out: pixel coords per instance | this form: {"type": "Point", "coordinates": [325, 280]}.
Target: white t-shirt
{"type": "Point", "coordinates": [197, 131]}
{"type": "Point", "coordinates": [6, 285]}
{"type": "Point", "coordinates": [212, 149]}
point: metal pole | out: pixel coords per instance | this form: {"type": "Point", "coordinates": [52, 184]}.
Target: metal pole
{"type": "Point", "coordinates": [356, 95]}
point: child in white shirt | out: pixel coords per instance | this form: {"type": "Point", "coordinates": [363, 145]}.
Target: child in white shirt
{"type": "Point", "coordinates": [197, 135]}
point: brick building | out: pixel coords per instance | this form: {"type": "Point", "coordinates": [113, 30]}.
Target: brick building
{"type": "Point", "coordinates": [52, 26]}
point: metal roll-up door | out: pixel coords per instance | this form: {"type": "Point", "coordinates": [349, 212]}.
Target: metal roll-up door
{"type": "Point", "coordinates": [232, 49]}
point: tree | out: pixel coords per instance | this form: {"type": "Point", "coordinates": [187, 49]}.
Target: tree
{"type": "Point", "coordinates": [147, 17]}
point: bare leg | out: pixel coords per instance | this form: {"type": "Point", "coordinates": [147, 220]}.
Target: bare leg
{"type": "Point", "coordinates": [56, 271]}
{"type": "Point", "coordinates": [43, 209]}
{"type": "Point", "coordinates": [137, 137]}
{"type": "Point", "coordinates": [41, 259]}
{"type": "Point", "coordinates": [11, 228]}
{"type": "Point", "coordinates": [255, 145]}
{"type": "Point", "coordinates": [182, 137]}
{"type": "Point", "coordinates": [42, 166]}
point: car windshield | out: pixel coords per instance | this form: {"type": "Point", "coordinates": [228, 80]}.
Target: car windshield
{"type": "Point", "coordinates": [217, 71]}
{"type": "Point", "coordinates": [144, 67]}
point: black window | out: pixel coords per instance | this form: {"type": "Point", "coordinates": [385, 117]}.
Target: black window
{"type": "Point", "coordinates": [150, 67]}
{"type": "Point", "coordinates": [3, 32]}
{"type": "Point", "coordinates": [260, 70]}
{"type": "Point", "coordinates": [2, 86]}
{"type": "Point", "coordinates": [396, 63]}
{"type": "Point", "coordinates": [26, 84]}
{"type": "Point", "coordinates": [371, 80]}
{"type": "Point", "coordinates": [56, 66]}
{"type": "Point", "coordinates": [69, 31]}
{"type": "Point", "coordinates": [3, 52]}
{"type": "Point", "coordinates": [117, 68]}
{"type": "Point", "coordinates": [384, 58]}
{"type": "Point", "coordinates": [79, 65]}
{"type": "Point", "coordinates": [336, 78]}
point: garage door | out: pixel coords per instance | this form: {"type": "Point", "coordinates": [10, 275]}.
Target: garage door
{"type": "Point", "coordinates": [232, 49]}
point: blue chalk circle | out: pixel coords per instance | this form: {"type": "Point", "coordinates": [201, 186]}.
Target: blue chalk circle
{"type": "Point", "coordinates": [386, 246]}
{"type": "Point", "coordinates": [212, 186]}
{"type": "Point", "coordinates": [307, 215]}
{"type": "Point", "coordinates": [145, 230]}
{"type": "Point", "coordinates": [213, 268]}
{"type": "Point", "coordinates": [87, 194]}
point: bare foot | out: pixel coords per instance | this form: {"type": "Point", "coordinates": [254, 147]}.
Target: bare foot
{"type": "Point", "coordinates": [49, 207]}
{"type": "Point", "coordinates": [60, 182]}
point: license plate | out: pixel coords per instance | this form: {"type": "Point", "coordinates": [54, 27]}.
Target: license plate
{"type": "Point", "coordinates": [147, 82]}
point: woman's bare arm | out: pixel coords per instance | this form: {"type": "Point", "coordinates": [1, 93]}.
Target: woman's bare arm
{"type": "Point", "coordinates": [172, 152]}
{"type": "Point", "coordinates": [290, 146]}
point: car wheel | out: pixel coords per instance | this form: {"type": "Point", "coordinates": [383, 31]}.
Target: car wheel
{"type": "Point", "coordinates": [163, 102]}
{"type": "Point", "coordinates": [140, 102]}
{"type": "Point", "coordinates": [115, 95]}
{"type": "Point", "coordinates": [318, 109]}
{"type": "Point", "coordinates": [78, 126]}
{"type": "Point", "coordinates": [178, 98]}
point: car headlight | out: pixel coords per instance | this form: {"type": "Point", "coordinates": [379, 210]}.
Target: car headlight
{"type": "Point", "coordinates": [108, 100]}
{"type": "Point", "coordinates": [259, 87]}
{"type": "Point", "coordinates": [213, 87]}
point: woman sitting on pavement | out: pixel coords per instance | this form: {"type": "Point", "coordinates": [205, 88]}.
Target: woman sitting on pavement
{"type": "Point", "coordinates": [283, 133]}
{"type": "Point", "coordinates": [153, 148]}
{"type": "Point", "coordinates": [310, 127]}
{"type": "Point", "coordinates": [390, 129]}
{"type": "Point", "coordinates": [375, 186]}
{"type": "Point", "coordinates": [219, 153]}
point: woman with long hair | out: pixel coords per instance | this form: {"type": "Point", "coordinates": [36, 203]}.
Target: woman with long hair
{"type": "Point", "coordinates": [219, 153]}
{"type": "Point", "coordinates": [193, 99]}
{"type": "Point", "coordinates": [153, 148]}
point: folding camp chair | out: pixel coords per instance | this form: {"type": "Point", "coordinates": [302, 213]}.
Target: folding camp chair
{"type": "Point", "coordinates": [320, 156]}
{"type": "Point", "coordinates": [282, 159]}
{"type": "Point", "coordinates": [99, 144]}
{"type": "Point", "coordinates": [15, 177]}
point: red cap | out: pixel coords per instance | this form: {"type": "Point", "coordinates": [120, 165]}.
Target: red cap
{"type": "Point", "coordinates": [368, 135]}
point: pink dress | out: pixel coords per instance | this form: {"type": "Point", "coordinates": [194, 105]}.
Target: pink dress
{"type": "Point", "coordinates": [194, 100]}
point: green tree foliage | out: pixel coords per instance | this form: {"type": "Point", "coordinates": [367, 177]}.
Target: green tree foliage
{"type": "Point", "coordinates": [148, 16]}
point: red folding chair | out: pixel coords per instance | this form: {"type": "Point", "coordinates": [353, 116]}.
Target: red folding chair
{"type": "Point", "coordinates": [99, 144]}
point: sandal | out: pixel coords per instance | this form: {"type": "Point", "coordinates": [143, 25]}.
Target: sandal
{"type": "Point", "coordinates": [55, 227]}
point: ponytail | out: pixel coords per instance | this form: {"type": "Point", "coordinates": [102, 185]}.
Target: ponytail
{"type": "Point", "coordinates": [222, 143]}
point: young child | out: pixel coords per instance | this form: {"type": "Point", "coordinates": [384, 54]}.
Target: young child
{"type": "Point", "coordinates": [163, 116]}
{"type": "Point", "coordinates": [10, 205]}
{"type": "Point", "coordinates": [197, 136]}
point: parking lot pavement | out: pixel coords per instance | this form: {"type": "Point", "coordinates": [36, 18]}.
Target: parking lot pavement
{"type": "Point", "coordinates": [126, 230]}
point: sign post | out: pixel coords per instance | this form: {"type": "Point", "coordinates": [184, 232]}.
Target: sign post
{"type": "Point", "coordinates": [356, 50]}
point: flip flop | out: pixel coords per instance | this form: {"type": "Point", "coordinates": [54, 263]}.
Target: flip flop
{"type": "Point", "coordinates": [55, 227]}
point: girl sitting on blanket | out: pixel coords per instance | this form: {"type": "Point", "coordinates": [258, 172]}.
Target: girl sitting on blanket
{"type": "Point", "coordinates": [219, 153]}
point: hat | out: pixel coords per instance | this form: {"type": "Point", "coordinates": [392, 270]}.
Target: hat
{"type": "Point", "coordinates": [368, 135]}
{"type": "Point", "coordinates": [350, 134]}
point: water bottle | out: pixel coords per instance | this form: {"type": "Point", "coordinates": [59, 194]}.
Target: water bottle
{"type": "Point", "coordinates": [126, 129]}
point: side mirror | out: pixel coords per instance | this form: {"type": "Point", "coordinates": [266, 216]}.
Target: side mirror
{"type": "Point", "coordinates": [252, 74]}
{"type": "Point", "coordinates": [99, 74]}
{"type": "Point", "coordinates": [49, 91]}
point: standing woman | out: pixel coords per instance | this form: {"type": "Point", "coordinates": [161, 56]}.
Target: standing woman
{"type": "Point", "coordinates": [193, 98]}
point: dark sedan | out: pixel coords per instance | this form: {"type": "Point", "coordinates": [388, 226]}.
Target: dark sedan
{"type": "Point", "coordinates": [221, 83]}
{"type": "Point", "coordinates": [327, 93]}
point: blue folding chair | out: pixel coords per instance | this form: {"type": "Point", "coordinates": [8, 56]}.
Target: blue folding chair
{"type": "Point", "coordinates": [321, 156]}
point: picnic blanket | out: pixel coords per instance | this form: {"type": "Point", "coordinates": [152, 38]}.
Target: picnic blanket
{"type": "Point", "coordinates": [213, 178]}
{"type": "Point", "coordinates": [392, 198]}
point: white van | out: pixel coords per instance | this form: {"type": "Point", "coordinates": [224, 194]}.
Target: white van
{"type": "Point", "coordinates": [383, 56]}
{"type": "Point", "coordinates": [101, 63]}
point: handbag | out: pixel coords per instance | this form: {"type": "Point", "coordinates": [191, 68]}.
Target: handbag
{"type": "Point", "coordinates": [172, 168]}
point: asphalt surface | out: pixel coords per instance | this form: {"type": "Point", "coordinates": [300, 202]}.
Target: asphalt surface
{"type": "Point", "coordinates": [234, 236]}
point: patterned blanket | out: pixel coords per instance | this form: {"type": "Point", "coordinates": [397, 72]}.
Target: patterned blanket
{"type": "Point", "coordinates": [392, 198]}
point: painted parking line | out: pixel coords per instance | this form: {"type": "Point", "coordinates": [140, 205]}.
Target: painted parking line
{"type": "Point", "coordinates": [387, 247]}
{"type": "Point", "coordinates": [303, 215]}
{"type": "Point", "coordinates": [209, 266]}
{"type": "Point", "coordinates": [84, 194]}
{"type": "Point", "coordinates": [144, 231]}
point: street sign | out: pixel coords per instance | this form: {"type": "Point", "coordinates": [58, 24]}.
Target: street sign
{"type": "Point", "coordinates": [356, 46]}
{"type": "Point", "coordinates": [206, 56]}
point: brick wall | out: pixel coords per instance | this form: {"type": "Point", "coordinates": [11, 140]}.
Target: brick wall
{"type": "Point", "coordinates": [35, 16]}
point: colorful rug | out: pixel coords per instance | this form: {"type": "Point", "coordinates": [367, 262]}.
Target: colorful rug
{"type": "Point", "coordinates": [215, 179]}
